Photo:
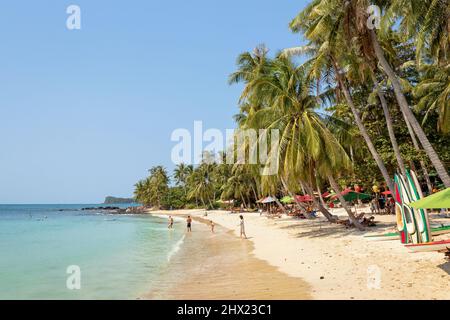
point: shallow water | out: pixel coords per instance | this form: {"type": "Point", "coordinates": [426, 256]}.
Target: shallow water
{"type": "Point", "coordinates": [119, 256]}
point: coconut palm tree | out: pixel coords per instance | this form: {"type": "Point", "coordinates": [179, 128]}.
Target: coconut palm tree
{"type": "Point", "coordinates": [181, 173]}
{"type": "Point", "coordinates": [425, 21]}
{"type": "Point", "coordinates": [306, 145]}
{"type": "Point", "coordinates": [324, 61]}
{"type": "Point", "coordinates": [433, 94]}
{"type": "Point", "coordinates": [347, 19]}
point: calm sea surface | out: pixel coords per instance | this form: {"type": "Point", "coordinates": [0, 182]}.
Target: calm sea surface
{"type": "Point", "coordinates": [119, 256]}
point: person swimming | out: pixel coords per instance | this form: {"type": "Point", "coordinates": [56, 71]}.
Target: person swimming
{"type": "Point", "coordinates": [170, 222]}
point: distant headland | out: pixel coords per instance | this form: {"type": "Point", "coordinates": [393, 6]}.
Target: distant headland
{"type": "Point", "coordinates": [114, 200]}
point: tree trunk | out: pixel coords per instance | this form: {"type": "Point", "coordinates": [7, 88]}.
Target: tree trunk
{"type": "Point", "coordinates": [434, 158]}
{"type": "Point", "coordinates": [352, 157]}
{"type": "Point", "coordinates": [243, 200]}
{"type": "Point", "coordinates": [390, 127]}
{"type": "Point", "coordinates": [336, 188]}
{"type": "Point", "coordinates": [256, 196]}
{"type": "Point", "coordinates": [319, 205]}
{"type": "Point", "coordinates": [203, 201]}
{"type": "Point", "coordinates": [278, 203]}
{"type": "Point", "coordinates": [362, 129]}
{"type": "Point", "coordinates": [210, 203]}
{"type": "Point", "coordinates": [290, 193]}
{"type": "Point", "coordinates": [417, 147]}
{"type": "Point", "coordinates": [322, 201]}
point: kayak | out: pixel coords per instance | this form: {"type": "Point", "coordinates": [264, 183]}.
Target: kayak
{"type": "Point", "coordinates": [409, 222]}
{"type": "Point", "coordinates": [429, 246]}
{"type": "Point", "coordinates": [435, 231]}
{"type": "Point", "coordinates": [421, 215]}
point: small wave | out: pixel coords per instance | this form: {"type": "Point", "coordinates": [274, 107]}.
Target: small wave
{"type": "Point", "coordinates": [175, 248]}
{"type": "Point", "coordinates": [166, 217]}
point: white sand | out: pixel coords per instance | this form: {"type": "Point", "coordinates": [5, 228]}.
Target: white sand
{"type": "Point", "coordinates": [348, 263]}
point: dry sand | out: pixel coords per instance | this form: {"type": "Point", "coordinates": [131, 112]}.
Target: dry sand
{"type": "Point", "coordinates": [336, 263]}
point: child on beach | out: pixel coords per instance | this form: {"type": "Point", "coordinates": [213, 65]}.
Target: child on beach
{"type": "Point", "coordinates": [170, 222]}
{"type": "Point", "coordinates": [212, 225]}
{"type": "Point", "coordinates": [241, 224]}
{"type": "Point", "coordinates": [189, 223]}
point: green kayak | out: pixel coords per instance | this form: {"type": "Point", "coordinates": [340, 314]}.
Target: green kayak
{"type": "Point", "coordinates": [435, 231]}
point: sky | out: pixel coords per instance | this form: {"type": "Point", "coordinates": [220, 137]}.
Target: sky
{"type": "Point", "coordinates": [85, 113]}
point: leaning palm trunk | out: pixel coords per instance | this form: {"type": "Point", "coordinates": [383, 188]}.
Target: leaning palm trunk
{"type": "Point", "coordinates": [362, 129]}
{"type": "Point", "coordinates": [352, 217]}
{"type": "Point", "coordinates": [278, 203]}
{"type": "Point", "coordinates": [321, 207]}
{"type": "Point", "coordinates": [390, 127]}
{"type": "Point", "coordinates": [417, 147]}
{"type": "Point", "coordinates": [322, 201]}
{"type": "Point", "coordinates": [299, 205]}
{"type": "Point", "coordinates": [243, 200]}
{"type": "Point", "coordinates": [434, 158]}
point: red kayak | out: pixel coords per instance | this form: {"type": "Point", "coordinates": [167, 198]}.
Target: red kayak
{"type": "Point", "coordinates": [429, 246]}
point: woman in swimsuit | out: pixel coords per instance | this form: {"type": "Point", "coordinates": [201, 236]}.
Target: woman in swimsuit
{"type": "Point", "coordinates": [241, 224]}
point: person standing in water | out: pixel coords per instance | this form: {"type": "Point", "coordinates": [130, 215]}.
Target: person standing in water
{"type": "Point", "coordinates": [170, 222]}
{"type": "Point", "coordinates": [241, 224]}
{"type": "Point", "coordinates": [189, 224]}
{"type": "Point", "coordinates": [212, 225]}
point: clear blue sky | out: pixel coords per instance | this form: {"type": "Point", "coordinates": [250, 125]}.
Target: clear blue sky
{"type": "Point", "coordinates": [86, 113]}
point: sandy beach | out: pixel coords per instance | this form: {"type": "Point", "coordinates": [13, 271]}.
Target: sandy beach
{"type": "Point", "coordinates": [328, 260]}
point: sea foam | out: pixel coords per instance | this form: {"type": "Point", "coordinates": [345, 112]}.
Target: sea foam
{"type": "Point", "coordinates": [175, 248]}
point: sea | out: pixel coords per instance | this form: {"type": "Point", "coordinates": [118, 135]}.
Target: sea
{"type": "Point", "coordinates": [62, 252]}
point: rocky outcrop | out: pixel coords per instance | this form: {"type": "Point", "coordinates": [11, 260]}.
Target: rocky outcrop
{"type": "Point", "coordinates": [114, 200]}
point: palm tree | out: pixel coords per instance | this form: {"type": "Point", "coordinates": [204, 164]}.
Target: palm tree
{"type": "Point", "coordinates": [324, 62]}
{"type": "Point", "coordinates": [347, 19]}
{"type": "Point", "coordinates": [426, 21]}
{"type": "Point", "coordinates": [181, 173]}
{"type": "Point", "coordinates": [306, 144]}
{"type": "Point", "coordinates": [201, 184]}
{"type": "Point", "coordinates": [433, 94]}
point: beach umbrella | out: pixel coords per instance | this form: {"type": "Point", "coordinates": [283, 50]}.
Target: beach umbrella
{"type": "Point", "coordinates": [260, 200]}
{"type": "Point", "coordinates": [350, 195]}
{"type": "Point", "coordinates": [268, 200]}
{"type": "Point", "coordinates": [305, 198]}
{"type": "Point", "coordinates": [386, 193]}
{"type": "Point", "coordinates": [287, 199]}
{"type": "Point", "coordinates": [438, 200]}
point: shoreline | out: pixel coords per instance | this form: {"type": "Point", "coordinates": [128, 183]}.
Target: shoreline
{"type": "Point", "coordinates": [217, 266]}
{"type": "Point", "coordinates": [338, 263]}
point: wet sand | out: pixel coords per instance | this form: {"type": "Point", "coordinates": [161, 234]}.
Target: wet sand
{"type": "Point", "coordinates": [335, 262]}
{"type": "Point", "coordinates": [221, 266]}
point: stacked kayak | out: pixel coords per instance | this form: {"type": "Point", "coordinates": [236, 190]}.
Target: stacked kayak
{"type": "Point", "coordinates": [435, 231]}
{"type": "Point", "coordinates": [414, 229]}
{"type": "Point", "coordinates": [429, 246]}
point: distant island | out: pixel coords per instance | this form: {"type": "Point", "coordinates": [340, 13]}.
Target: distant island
{"type": "Point", "coordinates": [114, 200]}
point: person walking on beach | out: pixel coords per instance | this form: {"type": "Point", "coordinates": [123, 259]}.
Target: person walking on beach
{"type": "Point", "coordinates": [241, 224]}
{"type": "Point", "coordinates": [189, 224]}
{"type": "Point", "coordinates": [212, 225]}
{"type": "Point", "coordinates": [170, 222]}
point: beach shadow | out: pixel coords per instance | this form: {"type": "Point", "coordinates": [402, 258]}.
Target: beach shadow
{"type": "Point", "coordinates": [446, 267]}
{"type": "Point", "coordinates": [323, 228]}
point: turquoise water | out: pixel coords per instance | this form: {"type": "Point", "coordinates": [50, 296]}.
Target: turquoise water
{"type": "Point", "coordinates": [119, 255]}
